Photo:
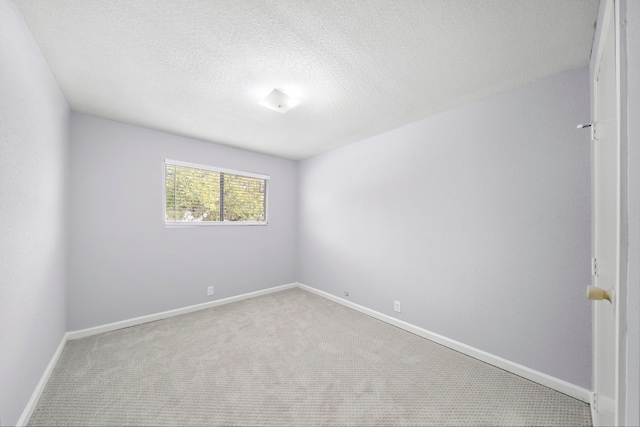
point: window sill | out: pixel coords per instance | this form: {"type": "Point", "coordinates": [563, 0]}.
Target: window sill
{"type": "Point", "coordinates": [212, 224]}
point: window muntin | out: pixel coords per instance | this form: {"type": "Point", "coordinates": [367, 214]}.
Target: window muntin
{"type": "Point", "coordinates": [198, 194]}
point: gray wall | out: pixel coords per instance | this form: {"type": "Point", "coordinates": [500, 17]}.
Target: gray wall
{"type": "Point", "coordinates": [125, 263]}
{"type": "Point", "coordinates": [33, 203]}
{"type": "Point", "coordinates": [477, 220]}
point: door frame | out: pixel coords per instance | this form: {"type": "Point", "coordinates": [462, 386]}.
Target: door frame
{"type": "Point", "coordinates": [608, 7]}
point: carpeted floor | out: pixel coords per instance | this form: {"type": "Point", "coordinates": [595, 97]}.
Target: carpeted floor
{"type": "Point", "coordinates": [288, 358]}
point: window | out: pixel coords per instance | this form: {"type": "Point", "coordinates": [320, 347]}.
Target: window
{"type": "Point", "coordinates": [196, 194]}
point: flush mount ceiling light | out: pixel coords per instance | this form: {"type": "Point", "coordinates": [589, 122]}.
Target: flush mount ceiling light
{"type": "Point", "coordinates": [279, 101]}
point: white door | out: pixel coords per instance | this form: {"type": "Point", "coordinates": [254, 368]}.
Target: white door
{"type": "Point", "coordinates": [606, 221]}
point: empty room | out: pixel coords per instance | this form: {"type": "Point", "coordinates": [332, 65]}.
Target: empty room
{"type": "Point", "coordinates": [304, 212]}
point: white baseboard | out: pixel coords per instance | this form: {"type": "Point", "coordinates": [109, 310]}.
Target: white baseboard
{"type": "Point", "coordinates": [82, 333]}
{"type": "Point", "coordinates": [35, 396]}
{"type": "Point", "coordinates": [520, 370]}
{"type": "Point", "coordinates": [74, 335]}
{"type": "Point", "coordinates": [515, 368]}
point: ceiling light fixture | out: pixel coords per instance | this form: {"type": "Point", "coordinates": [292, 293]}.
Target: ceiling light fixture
{"type": "Point", "coordinates": [279, 101]}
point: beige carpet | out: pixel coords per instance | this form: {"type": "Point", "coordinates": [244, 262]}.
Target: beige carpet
{"type": "Point", "coordinates": [288, 358]}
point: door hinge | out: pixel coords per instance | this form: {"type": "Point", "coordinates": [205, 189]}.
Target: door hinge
{"type": "Point", "coordinates": [591, 125]}
{"type": "Point", "coordinates": [594, 267]}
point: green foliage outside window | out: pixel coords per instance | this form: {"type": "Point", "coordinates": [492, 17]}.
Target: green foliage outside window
{"type": "Point", "coordinates": [194, 195]}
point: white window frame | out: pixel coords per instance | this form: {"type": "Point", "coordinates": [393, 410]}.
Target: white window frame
{"type": "Point", "coordinates": [182, 224]}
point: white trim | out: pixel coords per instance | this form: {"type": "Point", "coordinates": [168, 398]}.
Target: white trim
{"type": "Point", "coordinates": [515, 368]}
{"type": "Point", "coordinates": [609, 14]}
{"type": "Point", "coordinates": [596, 49]}
{"type": "Point", "coordinates": [186, 224]}
{"type": "Point", "coordinates": [215, 169]}
{"type": "Point", "coordinates": [82, 333]}
{"type": "Point", "coordinates": [520, 370]}
{"type": "Point", "coordinates": [619, 402]}
{"type": "Point", "coordinates": [592, 405]}
{"type": "Point", "coordinates": [37, 392]}
{"type": "Point", "coordinates": [507, 365]}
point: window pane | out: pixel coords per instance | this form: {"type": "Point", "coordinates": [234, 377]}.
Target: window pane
{"type": "Point", "coordinates": [244, 198]}
{"type": "Point", "coordinates": [200, 194]}
{"type": "Point", "coordinates": [169, 182]}
{"type": "Point", "coordinates": [193, 195]}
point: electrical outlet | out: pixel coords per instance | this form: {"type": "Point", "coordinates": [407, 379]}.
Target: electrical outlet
{"type": "Point", "coordinates": [210, 290]}
{"type": "Point", "coordinates": [397, 306]}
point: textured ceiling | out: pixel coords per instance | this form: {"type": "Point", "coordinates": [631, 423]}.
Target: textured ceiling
{"type": "Point", "coordinates": [198, 67]}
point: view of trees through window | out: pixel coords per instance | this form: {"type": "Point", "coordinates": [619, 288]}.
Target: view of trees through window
{"type": "Point", "coordinates": [199, 195]}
